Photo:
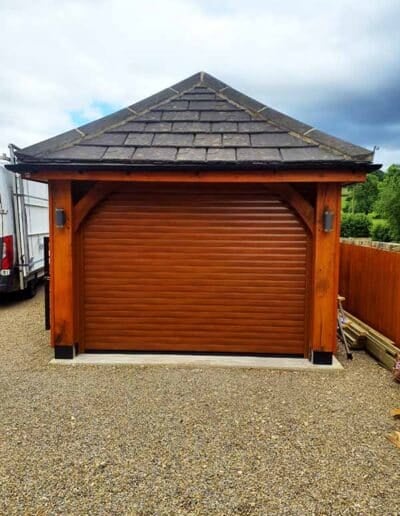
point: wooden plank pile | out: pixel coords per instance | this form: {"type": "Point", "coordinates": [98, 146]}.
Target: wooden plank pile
{"type": "Point", "coordinates": [356, 335]}
{"type": "Point", "coordinates": [361, 336]}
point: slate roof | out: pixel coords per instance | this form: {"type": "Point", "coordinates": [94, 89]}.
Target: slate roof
{"type": "Point", "coordinates": [199, 121]}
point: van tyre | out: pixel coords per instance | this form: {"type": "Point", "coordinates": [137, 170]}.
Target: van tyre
{"type": "Point", "coordinates": [31, 289]}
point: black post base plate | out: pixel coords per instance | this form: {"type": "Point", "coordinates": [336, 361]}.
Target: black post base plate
{"type": "Point", "coordinates": [322, 357]}
{"type": "Point", "coordinates": [64, 352]}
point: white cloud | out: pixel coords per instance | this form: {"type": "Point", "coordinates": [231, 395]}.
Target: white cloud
{"type": "Point", "coordinates": [65, 56]}
{"type": "Point", "coordinates": [387, 156]}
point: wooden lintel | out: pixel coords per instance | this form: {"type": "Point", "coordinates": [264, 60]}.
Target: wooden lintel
{"type": "Point", "coordinates": [303, 208]}
{"type": "Point", "coordinates": [97, 193]}
{"type": "Point", "coordinates": [205, 176]}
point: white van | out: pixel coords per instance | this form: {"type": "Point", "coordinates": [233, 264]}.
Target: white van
{"type": "Point", "coordinates": [23, 225]}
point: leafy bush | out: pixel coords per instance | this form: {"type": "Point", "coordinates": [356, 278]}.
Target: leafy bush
{"type": "Point", "coordinates": [355, 225]}
{"type": "Point", "coordinates": [381, 232]}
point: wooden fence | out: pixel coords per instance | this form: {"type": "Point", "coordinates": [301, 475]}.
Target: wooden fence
{"type": "Point", "coordinates": [370, 281]}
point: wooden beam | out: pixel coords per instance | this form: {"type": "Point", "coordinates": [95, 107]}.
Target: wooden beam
{"type": "Point", "coordinates": [325, 282]}
{"type": "Point", "coordinates": [205, 176]}
{"type": "Point", "coordinates": [302, 207]}
{"type": "Point", "coordinates": [97, 193]}
{"type": "Point", "coordinates": [62, 270]}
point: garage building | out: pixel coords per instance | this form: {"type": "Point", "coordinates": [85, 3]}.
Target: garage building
{"type": "Point", "coordinates": [196, 220]}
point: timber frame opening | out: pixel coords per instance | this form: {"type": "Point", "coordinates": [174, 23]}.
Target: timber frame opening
{"type": "Point", "coordinates": [322, 280]}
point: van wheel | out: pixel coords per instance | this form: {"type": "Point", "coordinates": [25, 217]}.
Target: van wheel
{"type": "Point", "coordinates": [31, 289]}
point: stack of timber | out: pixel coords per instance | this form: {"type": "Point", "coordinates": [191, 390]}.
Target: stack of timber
{"type": "Point", "coordinates": [362, 336]}
{"type": "Point", "coordinates": [356, 335]}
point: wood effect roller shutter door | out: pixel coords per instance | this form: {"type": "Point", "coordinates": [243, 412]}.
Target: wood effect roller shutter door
{"type": "Point", "coordinates": [177, 268]}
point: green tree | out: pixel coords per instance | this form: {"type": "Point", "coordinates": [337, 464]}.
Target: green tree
{"type": "Point", "coordinates": [366, 194]}
{"type": "Point", "coordinates": [388, 203]}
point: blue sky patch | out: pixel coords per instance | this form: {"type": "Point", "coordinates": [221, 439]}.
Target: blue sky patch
{"type": "Point", "coordinates": [92, 112]}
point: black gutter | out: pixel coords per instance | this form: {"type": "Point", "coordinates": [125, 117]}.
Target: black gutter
{"type": "Point", "coordinates": [53, 166]}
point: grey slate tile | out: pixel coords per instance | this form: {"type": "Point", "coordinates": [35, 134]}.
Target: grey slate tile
{"type": "Point", "coordinates": [236, 140]}
{"type": "Point", "coordinates": [154, 154]}
{"type": "Point", "coordinates": [190, 154]}
{"type": "Point", "coordinates": [213, 82]}
{"type": "Point", "coordinates": [284, 121]}
{"type": "Point", "coordinates": [174, 105]}
{"type": "Point", "coordinates": [224, 116]}
{"type": "Point", "coordinates": [119, 153]}
{"type": "Point", "coordinates": [158, 127]}
{"type": "Point", "coordinates": [107, 121]}
{"type": "Point", "coordinates": [309, 154]}
{"type": "Point", "coordinates": [276, 140]}
{"type": "Point", "coordinates": [201, 89]}
{"type": "Point", "coordinates": [257, 127]}
{"type": "Point", "coordinates": [337, 143]}
{"type": "Point", "coordinates": [139, 139]}
{"type": "Point", "coordinates": [221, 155]}
{"type": "Point", "coordinates": [128, 127]}
{"type": "Point", "coordinates": [191, 127]}
{"type": "Point", "coordinates": [251, 154]}
{"type": "Point", "coordinates": [173, 116]}
{"type": "Point", "coordinates": [150, 116]}
{"type": "Point", "coordinates": [106, 139]}
{"type": "Point", "coordinates": [199, 96]}
{"type": "Point", "coordinates": [207, 140]}
{"type": "Point", "coordinates": [242, 99]}
{"type": "Point", "coordinates": [45, 146]}
{"type": "Point", "coordinates": [78, 152]}
{"type": "Point", "coordinates": [211, 105]}
{"type": "Point", "coordinates": [173, 139]}
{"type": "Point", "coordinates": [224, 127]}
{"type": "Point", "coordinates": [190, 82]}
{"type": "Point", "coordinates": [149, 102]}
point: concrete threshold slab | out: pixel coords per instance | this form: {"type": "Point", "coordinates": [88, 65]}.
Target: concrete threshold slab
{"type": "Point", "coordinates": [163, 359]}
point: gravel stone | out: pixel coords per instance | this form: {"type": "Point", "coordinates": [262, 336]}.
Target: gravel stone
{"type": "Point", "coordinates": [116, 440]}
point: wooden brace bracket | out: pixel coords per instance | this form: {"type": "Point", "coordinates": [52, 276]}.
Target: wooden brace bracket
{"type": "Point", "coordinates": [302, 207]}
{"type": "Point", "coordinates": [97, 193]}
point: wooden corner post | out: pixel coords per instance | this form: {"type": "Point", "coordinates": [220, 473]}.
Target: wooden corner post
{"type": "Point", "coordinates": [61, 269]}
{"type": "Point", "coordinates": [325, 282]}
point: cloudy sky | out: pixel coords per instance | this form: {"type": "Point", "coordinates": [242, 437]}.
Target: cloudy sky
{"type": "Point", "coordinates": [334, 65]}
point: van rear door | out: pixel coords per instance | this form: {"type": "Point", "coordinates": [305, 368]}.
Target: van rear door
{"type": "Point", "coordinates": [7, 234]}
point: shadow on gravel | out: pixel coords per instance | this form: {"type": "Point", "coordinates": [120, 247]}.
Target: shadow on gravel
{"type": "Point", "coordinates": [8, 300]}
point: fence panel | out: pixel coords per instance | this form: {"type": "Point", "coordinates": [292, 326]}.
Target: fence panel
{"type": "Point", "coordinates": [370, 281]}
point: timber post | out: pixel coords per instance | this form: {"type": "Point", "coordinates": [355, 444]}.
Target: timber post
{"type": "Point", "coordinates": [325, 281]}
{"type": "Point", "coordinates": [62, 269]}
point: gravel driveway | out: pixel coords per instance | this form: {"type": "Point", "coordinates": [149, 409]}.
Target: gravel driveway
{"type": "Point", "coordinates": [168, 441]}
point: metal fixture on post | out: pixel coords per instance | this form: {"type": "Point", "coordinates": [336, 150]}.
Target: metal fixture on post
{"type": "Point", "coordinates": [60, 218]}
{"type": "Point", "coordinates": [328, 220]}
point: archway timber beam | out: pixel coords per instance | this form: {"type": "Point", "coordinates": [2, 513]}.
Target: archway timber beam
{"type": "Point", "coordinates": [84, 206]}
{"type": "Point", "coordinates": [302, 207]}
{"type": "Point", "coordinates": [101, 190]}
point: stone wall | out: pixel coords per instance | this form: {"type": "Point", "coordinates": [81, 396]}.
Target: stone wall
{"type": "Point", "coordinates": [367, 242]}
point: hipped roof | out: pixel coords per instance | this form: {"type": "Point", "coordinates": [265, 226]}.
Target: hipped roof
{"type": "Point", "coordinates": [200, 122]}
